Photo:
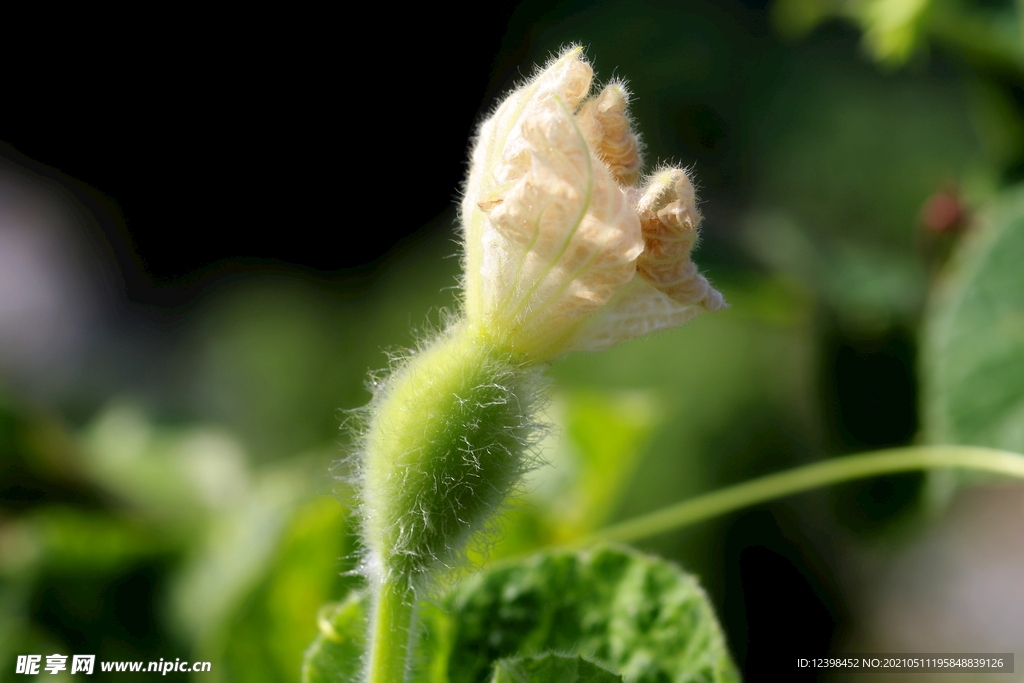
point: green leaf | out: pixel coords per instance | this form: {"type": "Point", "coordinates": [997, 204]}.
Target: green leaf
{"type": "Point", "coordinates": [974, 337]}
{"type": "Point", "coordinates": [638, 616]}
{"type": "Point", "coordinates": [337, 653]}
{"type": "Point", "coordinates": [641, 616]}
{"type": "Point", "coordinates": [551, 668]}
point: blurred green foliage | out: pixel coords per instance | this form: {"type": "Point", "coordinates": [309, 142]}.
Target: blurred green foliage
{"type": "Point", "coordinates": [205, 524]}
{"type": "Point", "coordinates": [974, 353]}
{"type": "Point", "coordinates": [551, 667]}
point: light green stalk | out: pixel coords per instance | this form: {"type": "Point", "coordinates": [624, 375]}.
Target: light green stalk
{"type": "Point", "coordinates": [809, 477]}
{"type": "Point", "coordinates": [393, 617]}
{"type": "Point", "coordinates": [446, 443]}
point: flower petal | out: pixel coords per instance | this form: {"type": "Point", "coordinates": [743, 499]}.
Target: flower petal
{"type": "Point", "coordinates": [636, 310]}
{"type": "Point", "coordinates": [668, 214]}
{"type": "Point", "coordinates": [500, 157]}
{"type": "Point", "coordinates": [563, 240]}
{"type": "Point", "coordinates": [608, 129]}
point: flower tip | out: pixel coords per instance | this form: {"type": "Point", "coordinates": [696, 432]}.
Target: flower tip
{"type": "Point", "coordinates": [662, 180]}
{"type": "Point", "coordinates": [571, 53]}
{"type": "Point", "coordinates": [605, 123]}
{"type": "Point", "coordinates": [578, 75]}
{"type": "Point", "coordinates": [563, 249]}
{"type": "Point", "coordinates": [617, 92]}
{"type": "Point", "coordinates": [672, 179]}
{"type": "Point", "coordinates": [713, 300]}
{"type": "Point", "coordinates": [669, 218]}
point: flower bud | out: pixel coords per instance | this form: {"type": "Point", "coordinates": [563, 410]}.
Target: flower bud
{"type": "Point", "coordinates": [562, 252]}
{"type": "Point", "coordinates": [555, 234]}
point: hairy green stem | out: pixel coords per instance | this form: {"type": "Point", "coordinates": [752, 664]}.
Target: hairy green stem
{"type": "Point", "coordinates": [445, 444]}
{"type": "Point", "coordinates": [393, 614]}
{"type": "Point", "coordinates": [809, 477]}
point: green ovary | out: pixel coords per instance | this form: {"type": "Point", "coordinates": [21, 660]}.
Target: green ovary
{"type": "Point", "coordinates": [444, 448]}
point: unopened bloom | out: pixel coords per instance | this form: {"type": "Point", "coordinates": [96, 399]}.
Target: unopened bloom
{"type": "Point", "coordinates": [565, 248]}
{"type": "Point", "coordinates": [562, 250]}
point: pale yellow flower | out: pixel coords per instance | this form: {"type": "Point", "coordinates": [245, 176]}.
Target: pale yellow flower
{"type": "Point", "coordinates": [561, 250]}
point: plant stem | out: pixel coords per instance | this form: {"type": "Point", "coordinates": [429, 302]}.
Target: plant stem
{"type": "Point", "coordinates": [809, 477]}
{"type": "Point", "coordinates": [392, 627]}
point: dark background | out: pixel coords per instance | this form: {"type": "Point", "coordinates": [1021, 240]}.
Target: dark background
{"type": "Point", "coordinates": [214, 149]}
{"type": "Point", "coordinates": [288, 141]}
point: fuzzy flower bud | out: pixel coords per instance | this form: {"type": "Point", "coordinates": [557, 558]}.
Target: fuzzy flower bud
{"type": "Point", "coordinates": [562, 251]}
{"type": "Point", "coordinates": [555, 233]}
